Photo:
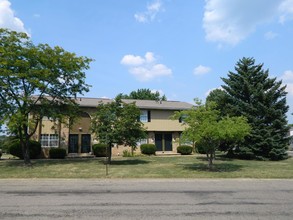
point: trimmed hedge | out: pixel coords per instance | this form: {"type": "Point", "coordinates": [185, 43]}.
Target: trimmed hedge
{"type": "Point", "coordinates": [148, 149]}
{"type": "Point", "coordinates": [57, 153]}
{"type": "Point", "coordinates": [35, 149]}
{"type": "Point", "coordinates": [100, 150]}
{"type": "Point", "coordinates": [184, 149]}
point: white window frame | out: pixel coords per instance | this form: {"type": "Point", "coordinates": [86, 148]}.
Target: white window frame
{"type": "Point", "coordinates": [49, 140]}
{"type": "Point", "coordinates": [142, 141]}
{"type": "Point", "coordinates": [143, 116]}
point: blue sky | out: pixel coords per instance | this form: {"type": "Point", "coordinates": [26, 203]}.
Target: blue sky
{"type": "Point", "coordinates": [181, 48]}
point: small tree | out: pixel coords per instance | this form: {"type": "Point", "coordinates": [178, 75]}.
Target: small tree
{"type": "Point", "coordinates": [117, 123]}
{"type": "Point", "coordinates": [208, 129]}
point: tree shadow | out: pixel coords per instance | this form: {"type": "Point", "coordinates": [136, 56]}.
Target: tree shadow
{"type": "Point", "coordinates": [218, 157]}
{"type": "Point", "coordinates": [48, 162]}
{"type": "Point", "coordinates": [222, 167]}
{"type": "Point", "coordinates": [129, 162]}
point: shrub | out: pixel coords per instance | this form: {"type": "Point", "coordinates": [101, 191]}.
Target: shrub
{"type": "Point", "coordinates": [148, 149]}
{"type": "Point", "coordinates": [57, 153]}
{"type": "Point", "coordinates": [184, 149]}
{"type": "Point", "coordinates": [0, 153]}
{"type": "Point", "coordinates": [34, 149]}
{"type": "Point", "coordinates": [126, 153]}
{"type": "Point", "coordinates": [200, 149]}
{"type": "Point", "coordinates": [100, 150]}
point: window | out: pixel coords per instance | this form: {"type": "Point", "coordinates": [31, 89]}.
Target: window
{"type": "Point", "coordinates": [182, 118]}
{"type": "Point", "coordinates": [49, 140]}
{"type": "Point", "coordinates": [145, 116]}
{"type": "Point", "coordinates": [142, 141]}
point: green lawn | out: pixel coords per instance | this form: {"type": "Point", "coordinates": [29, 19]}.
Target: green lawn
{"type": "Point", "coordinates": [147, 167]}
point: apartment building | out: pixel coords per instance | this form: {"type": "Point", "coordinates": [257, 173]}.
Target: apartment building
{"type": "Point", "coordinates": [78, 138]}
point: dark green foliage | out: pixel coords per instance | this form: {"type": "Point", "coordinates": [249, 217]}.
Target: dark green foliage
{"type": "Point", "coordinates": [221, 99]}
{"type": "Point", "coordinates": [34, 149]}
{"type": "Point", "coordinates": [100, 150]}
{"type": "Point", "coordinates": [243, 153]}
{"type": "Point", "coordinates": [262, 100]}
{"type": "Point", "coordinates": [26, 70]}
{"type": "Point", "coordinates": [148, 149]}
{"type": "Point", "coordinates": [200, 149]}
{"type": "Point", "coordinates": [57, 153]}
{"type": "Point", "coordinates": [144, 94]}
{"type": "Point", "coordinates": [184, 149]}
{"type": "Point", "coordinates": [116, 123]}
{"type": "Point", "coordinates": [0, 153]}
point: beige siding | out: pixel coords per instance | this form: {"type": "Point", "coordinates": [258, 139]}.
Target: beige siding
{"type": "Point", "coordinates": [160, 121]}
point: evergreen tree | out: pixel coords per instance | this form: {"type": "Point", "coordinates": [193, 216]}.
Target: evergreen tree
{"type": "Point", "coordinates": [262, 100]}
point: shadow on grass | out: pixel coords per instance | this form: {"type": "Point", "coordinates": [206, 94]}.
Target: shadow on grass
{"type": "Point", "coordinates": [48, 162]}
{"type": "Point", "coordinates": [218, 157]}
{"type": "Point", "coordinates": [222, 167]}
{"type": "Point", "coordinates": [129, 162]}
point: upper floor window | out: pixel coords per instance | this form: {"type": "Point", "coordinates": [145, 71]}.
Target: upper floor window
{"type": "Point", "coordinates": [182, 118]}
{"type": "Point", "coordinates": [145, 116]}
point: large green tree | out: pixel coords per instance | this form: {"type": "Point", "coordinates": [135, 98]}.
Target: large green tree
{"type": "Point", "coordinates": [262, 100]}
{"type": "Point", "coordinates": [207, 129]}
{"type": "Point", "coordinates": [145, 94]}
{"type": "Point", "coordinates": [117, 123]}
{"type": "Point", "coordinates": [36, 81]}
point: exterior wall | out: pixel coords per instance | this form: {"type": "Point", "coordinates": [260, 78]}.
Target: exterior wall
{"type": "Point", "coordinates": [160, 121]}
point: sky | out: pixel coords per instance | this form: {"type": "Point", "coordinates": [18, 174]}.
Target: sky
{"type": "Point", "coordinates": [180, 48]}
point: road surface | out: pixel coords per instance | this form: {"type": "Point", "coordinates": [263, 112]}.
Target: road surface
{"type": "Point", "coordinates": [146, 199]}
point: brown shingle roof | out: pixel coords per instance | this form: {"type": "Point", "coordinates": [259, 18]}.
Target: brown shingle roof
{"type": "Point", "coordinates": [142, 104]}
{"type": "Point", "coordinates": [151, 104]}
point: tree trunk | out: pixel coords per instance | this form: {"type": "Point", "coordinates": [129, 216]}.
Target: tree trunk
{"type": "Point", "coordinates": [210, 157]}
{"type": "Point", "coordinates": [24, 140]}
{"type": "Point", "coordinates": [25, 152]}
{"type": "Point", "coordinates": [109, 153]}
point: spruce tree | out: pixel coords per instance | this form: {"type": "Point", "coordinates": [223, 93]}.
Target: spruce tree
{"type": "Point", "coordinates": [262, 100]}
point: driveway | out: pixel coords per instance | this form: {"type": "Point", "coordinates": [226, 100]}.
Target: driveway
{"type": "Point", "coordinates": [146, 199]}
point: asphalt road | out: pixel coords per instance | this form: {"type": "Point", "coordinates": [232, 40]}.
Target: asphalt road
{"type": "Point", "coordinates": [146, 199]}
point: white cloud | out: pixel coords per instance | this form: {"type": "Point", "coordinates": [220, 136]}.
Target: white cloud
{"type": "Point", "coordinates": [270, 35]}
{"type": "Point", "coordinates": [131, 60]}
{"type": "Point", "coordinates": [287, 79]}
{"type": "Point", "coordinates": [145, 68]}
{"type": "Point", "coordinates": [201, 70]}
{"type": "Point", "coordinates": [151, 12]}
{"type": "Point", "coordinates": [287, 75]}
{"type": "Point", "coordinates": [8, 18]}
{"type": "Point", "coordinates": [230, 22]}
{"type": "Point", "coordinates": [286, 11]}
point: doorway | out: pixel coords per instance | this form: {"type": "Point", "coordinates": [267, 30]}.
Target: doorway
{"type": "Point", "coordinates": [163, 141]}
{"type": "Point", "coordinates": [85, 143]}
{"type": "Point", "coordinates": [73, 143]}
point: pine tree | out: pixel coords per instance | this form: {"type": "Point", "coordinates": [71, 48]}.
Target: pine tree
{"type": "Point", "coordinates": [262, 100]}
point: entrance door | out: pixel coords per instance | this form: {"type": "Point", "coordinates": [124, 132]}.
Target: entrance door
{"type": "Point", "coordinates": [163, 141]}
{"type": "Point", "coordinates": [168, 141]}
{"type": "Point", "coordinates": [159, 142]}
{"type": "Point", "coordinates": [73, 143]}
{"type": "Point", "coordinates": [85, 143]}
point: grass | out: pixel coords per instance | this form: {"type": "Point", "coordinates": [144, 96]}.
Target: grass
{"type": "Point", "coordinates": [148, 167]}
